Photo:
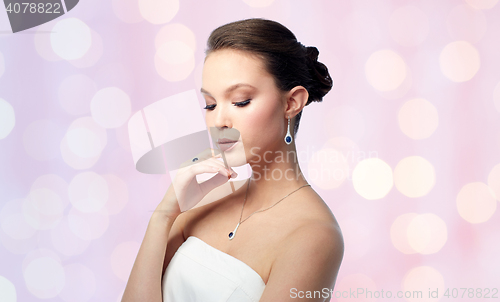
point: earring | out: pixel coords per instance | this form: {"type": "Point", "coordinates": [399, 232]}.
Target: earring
{"type": "Point", "coordinates": [288, 136]}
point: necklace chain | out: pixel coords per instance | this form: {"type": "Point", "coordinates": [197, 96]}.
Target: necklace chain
{"type": "Point", "coordinates": [246, 194]}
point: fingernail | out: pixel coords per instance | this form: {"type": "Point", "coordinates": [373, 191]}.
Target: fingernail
{"type": "Point", "coordinates": [234, 175]}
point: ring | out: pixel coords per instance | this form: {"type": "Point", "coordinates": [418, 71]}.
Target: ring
{"type": "Point", "coordinates": [195, 159]}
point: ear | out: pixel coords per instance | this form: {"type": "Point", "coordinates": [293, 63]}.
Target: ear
{"type": "Point", "coordinates": [296, 99]}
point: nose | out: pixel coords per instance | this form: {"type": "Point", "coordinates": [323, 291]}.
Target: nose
{"type": "Point", "coordinates": [222, 117]}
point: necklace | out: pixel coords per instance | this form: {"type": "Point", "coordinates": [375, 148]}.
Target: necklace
{"type": "Point", "coordinates": [233, 233]}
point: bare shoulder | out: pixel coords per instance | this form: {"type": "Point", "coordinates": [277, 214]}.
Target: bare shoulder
{"type": "Point", "coordinates": [310, 255]}
{"type": "Point", "coordinates": [316, 235]}
{"type": "Point", "coordinates": [315, 230]}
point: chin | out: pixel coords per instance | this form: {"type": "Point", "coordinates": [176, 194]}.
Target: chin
{"type": "Point", "coordinates": [236, 157]}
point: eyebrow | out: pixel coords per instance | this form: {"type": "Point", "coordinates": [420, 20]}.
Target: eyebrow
{"type": "Point", "coordinates": [230, 89]}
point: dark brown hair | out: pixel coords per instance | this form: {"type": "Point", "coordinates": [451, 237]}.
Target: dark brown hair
{"type": "Point", "coordinates": [287, 60]}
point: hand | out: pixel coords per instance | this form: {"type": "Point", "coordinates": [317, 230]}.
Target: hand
{"type": "Point", "coordinates": [185, 191]}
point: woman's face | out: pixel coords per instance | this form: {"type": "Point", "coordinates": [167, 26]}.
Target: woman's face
{"type": "Point", "coordinates": [241, 95]}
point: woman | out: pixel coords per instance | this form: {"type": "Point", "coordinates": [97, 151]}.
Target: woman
{"type": "Point", "coordinates": [274, 238]}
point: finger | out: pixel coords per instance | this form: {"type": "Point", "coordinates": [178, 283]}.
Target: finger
{"type": "Point", "coordinates": [209, 167]}
{"type": "Point", "coordinates": [221, 164]}
{"type": "Point", "coordinates": [204, 155]}
{"type": "Point", "coordinates": [207, 153]}
{"type": "Point", "coordinates": [213, 183]}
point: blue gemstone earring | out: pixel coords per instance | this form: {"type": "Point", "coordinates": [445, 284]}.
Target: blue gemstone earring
{"type": "Point", "coordinates": [288, 136]}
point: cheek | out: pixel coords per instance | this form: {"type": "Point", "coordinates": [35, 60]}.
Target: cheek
{"type": "Point", "coordinates": [261, 125]}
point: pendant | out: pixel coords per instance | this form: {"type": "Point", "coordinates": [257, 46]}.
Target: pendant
{"type": "Point", "coordinates": [233, 233]}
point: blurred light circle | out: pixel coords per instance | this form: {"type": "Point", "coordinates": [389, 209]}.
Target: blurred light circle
{"type": "Point", "coordinates": [46, 201]}
{"type": "Point", "coordinates": [423, 277]}
{"type": "Point", "coordinates": [482, 4]}
{"type": "Point", "coordinates": [476, 202]}
{"type": "Point", "coordinates": [2, 64]}
{"type": "Point", "coordinates": [73, 160]}
{"type": "Point", "coordinates": [466, 23]}
{"type": "Point", "coordinates": [65, 241]}
{"type": "Point", "coordinates": [80, 285]}
{"type": "Point", "coordinates": [418, 118]}
{"type": "Point", "coordinates": [44, 277]}
{"type": "Point", "coordinates": [372, 178]}
{"type": "Point", "coordinates": [399, 233]}
{"type": "Point", "coordinates": [18, 246]}
{"type": "Point", "coordinates": [174, 61]}
{"type": "Point", "coordinates": [79, 226]}
{"type": "Point", "coordinates": [118, 194]}
{"type": "Point", "coordinates": [345, 121]}
{"type": "Point", "coordinates": [176, 33]}
{"type": "Point", "coordinates": [175, 52]}
{"type": "Point", "coordinates": [399, 92]}
{"type": "Point", "coordinates": [127, 10]}
{"type": "Point", "coordinates": [122, 259]}
{"type": "Point", "coordinates": [75, 93]}
{"type": "Point", "coordinates": [21, 237]}
{"type": "Point", "coordinates": [385, 70]}
{"type": "Point", "coordinates": [158, 11]}
{"type": "Point", "coordinates": [408, 25]}
{"type": "Point", "coordinates": [459, 61]}
{"type": "Point", "coordinates": [496, 97]}
{"type": "Point", "coordinates": [43, 44]}
{"type": "Point", "coordinates": [414, 176]}
{"type": "Point", "coordinates": [12, 221]}
{"type": "Point", "coordinates": [7, 290]}
{"type": "Point", "coordinates": [41, 139]}
{"type": "Point", "coordinates": [110, 107]}
{"type": "Point", "coordinates": [347, 148]}
{"type": "Point", "coordinates": [83, 143]}
{"type": "Point", "coordinates": [88, 226]}
{"type": "Point", "coordinates": [174, 73]}
{"type": "Point", "coordinates": [53, 182]}
{"type": "Point", "coordinates": [16, 227]}
{"type": "Point", "coordinates": [7, 118]}
{"type": "Point", "coordinates": [92, 55]}
{"type": "Point", "coordinates": [175, 46]}
{"type": "Point", "coordinates": [258, 3]}
{"type": "Point", "coordinates": [494, 180]}
{"type": "Point", "coordinates": [327, 169]}
{"type": "Point", "coordinates": [88, 192]}
{"type": "Point", "coordinates": [427, 233]}
{"type": "Point", "coordinates": [70, 38]}
{"type": "Point", "coordinates": [38, 253]}
{"type": "Point", "coordinates": [43, 209]}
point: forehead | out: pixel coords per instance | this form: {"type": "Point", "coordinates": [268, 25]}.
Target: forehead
{"type": "Point", "coordinates": [227, 67]}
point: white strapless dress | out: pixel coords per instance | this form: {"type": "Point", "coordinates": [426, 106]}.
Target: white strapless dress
{"type": "Point", "coordinates": [199, 272]}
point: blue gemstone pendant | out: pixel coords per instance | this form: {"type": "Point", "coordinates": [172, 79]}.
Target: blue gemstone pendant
{"type": "Point", "coordinates": [288, 136]}
{"type": "Point", "coordinates": [233, 233]}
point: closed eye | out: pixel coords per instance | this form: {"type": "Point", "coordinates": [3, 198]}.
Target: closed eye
{"type": "Point", "coordinates": [210, 107]}
{"type": "Point", "coordinates": [241, 104]}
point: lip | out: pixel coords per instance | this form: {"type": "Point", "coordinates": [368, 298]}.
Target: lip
{"type": "Point", "coordinates": [227, 145]}
{"type": "Point", "coordinates": [225, 141]}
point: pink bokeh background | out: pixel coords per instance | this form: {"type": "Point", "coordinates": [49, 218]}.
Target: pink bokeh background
{"type": "Point", "coordinates": [404, 149]}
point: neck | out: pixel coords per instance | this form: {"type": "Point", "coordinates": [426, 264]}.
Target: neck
{"type": "Point", "coordinates": [274, 176]}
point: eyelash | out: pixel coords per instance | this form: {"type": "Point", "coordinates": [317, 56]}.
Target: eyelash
{"type": "Point", "coordinates": [239, 104]}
